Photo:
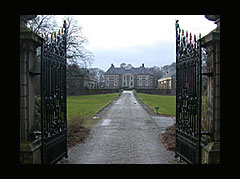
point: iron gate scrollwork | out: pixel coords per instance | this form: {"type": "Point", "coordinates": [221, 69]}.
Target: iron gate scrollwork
{"type": "Point", "coordinates": [53, 97]}
{"type": "Point", "coordinates": [188, 97]}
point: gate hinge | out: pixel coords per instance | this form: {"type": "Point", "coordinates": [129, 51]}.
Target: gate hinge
{"type": "Point", "coordinates": [35, 134]}
{"type": "Point", "coordinates": [209, 74]}
{"type": "Point", "coordinates": [206, 133]}
{"type": "Point", "coordinates": [33, 73]}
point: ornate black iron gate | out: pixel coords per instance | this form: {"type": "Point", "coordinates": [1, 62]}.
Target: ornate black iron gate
{"type": "Point", "coordinates": [53, 97]}
{"type": "Point", "coordinates": [188, 97]}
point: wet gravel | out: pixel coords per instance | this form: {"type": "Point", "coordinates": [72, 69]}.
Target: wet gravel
{"type": "Point", "coordinates": [126, 134]}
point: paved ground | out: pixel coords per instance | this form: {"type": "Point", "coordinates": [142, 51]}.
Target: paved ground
{"type": "Point", "coordinates": [126, 134]}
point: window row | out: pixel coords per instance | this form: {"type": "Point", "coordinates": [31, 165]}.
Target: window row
{"type": "Point", "coordinates": [115, 82]}
{"type": "Point", "coordinates": [144, 82]}
{"type": "Point", "coordinates": [112, 77]}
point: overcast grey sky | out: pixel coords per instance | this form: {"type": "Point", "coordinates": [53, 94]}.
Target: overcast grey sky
{"type": "Point", "coordinates": [136, 39]}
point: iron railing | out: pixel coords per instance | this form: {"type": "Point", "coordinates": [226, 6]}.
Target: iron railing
{"type": "Point", "coordinates": [53, 97]}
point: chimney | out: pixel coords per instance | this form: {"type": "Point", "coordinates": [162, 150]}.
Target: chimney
{"type": "Point", "coordinates": [112, 65]}
{"type": "Point", "coordinates": [143, 65]}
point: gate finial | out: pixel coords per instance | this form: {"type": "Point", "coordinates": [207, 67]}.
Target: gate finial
{"type": "Point", "coordinates": [176, 24]}
{"type": "Point", "coordinates": [47, 37]}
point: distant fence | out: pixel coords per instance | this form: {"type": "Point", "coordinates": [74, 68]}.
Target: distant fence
{"type": "Point", "coordinates": [91, 92]}
{"type": "Point", "coordinates": [157, 91]}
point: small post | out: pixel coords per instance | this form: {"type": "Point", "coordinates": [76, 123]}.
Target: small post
{"type": "Point", "coordinates": [157, 109]}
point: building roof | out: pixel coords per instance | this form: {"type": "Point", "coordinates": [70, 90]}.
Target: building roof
{"type": "Point", "coordinates": [170, 74]}
{"type": "Point", "coordinates": [121, 70]}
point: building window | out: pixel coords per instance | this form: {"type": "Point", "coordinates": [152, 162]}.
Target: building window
{"type": "Point", "coordinates": [107, 80]}
{"type": "Point", "coordinates": [146, 80]}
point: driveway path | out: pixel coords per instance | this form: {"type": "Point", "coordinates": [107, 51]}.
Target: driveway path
{"type": "Point", "coordinates": [126, 134]}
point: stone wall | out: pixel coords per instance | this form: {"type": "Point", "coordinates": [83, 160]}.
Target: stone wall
{"type": "Point", "coordinates": [211, 42]}
{"type": "Point", "coordinates": [30, 149]}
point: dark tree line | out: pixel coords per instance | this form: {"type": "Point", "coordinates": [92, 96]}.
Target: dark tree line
{"type": "Point", "coordinates": [74, 70]}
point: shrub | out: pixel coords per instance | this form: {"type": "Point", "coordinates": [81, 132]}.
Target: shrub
{"type": "Point", "coordinates": [37, 108]}
{"type": "Point", "coordinates": [76, 131]}
{"type": "Point", "coordinates": [75, 124]}
{"type": "Point", "coordinates": [169, 137]}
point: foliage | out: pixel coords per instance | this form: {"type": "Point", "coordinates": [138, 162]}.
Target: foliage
{"type": "Point", "coordinates": [76, 132]}
{"type": "Point", "coordinates": [166, 104]}
{"type": "Point", "coordinates": [169, 137]}
{"type": "Point", "coordinates": [37, 108]}
{"type": "Point", "coordinates": [205, 122]}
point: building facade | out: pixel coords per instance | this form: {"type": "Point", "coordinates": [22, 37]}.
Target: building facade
{"type": "Point", "coordinates": [128, 77]}
{"type": "Point", "coordinates": [168, 81]}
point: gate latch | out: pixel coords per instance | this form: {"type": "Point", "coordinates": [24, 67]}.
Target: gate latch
{"type": "Point", "coordinates": [209, 74]}
{"type": "Point", "coordinates": [33, 73]}
{"type": "Point", "coordinates": [206, 133]}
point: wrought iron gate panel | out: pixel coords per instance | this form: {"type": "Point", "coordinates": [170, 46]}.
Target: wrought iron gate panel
{"type": "Point", "coordinates": [188, 97]}
{"type": "Point", "coordinates": [53, 98]}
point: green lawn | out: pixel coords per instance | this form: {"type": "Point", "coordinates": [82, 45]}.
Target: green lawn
{"type": "Point", "coordinates": [89, 105]}
{"type": "Point", "coordinates": [166, 104]}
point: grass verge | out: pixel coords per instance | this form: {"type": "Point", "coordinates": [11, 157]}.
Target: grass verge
{"type": "Point", "coordinates": [166, 104]}
{"type": "Point", "coordinates": [88, 105]}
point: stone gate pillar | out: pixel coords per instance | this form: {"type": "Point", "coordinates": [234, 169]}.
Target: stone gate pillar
{"type": "Point", "coordinates": [30, 149]}
{"type": "Point", "coordinates": [211, 42]}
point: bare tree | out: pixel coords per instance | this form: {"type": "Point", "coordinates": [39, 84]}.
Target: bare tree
{"type": "Point", "coordinates": [76, 41]}
{"type": "Point", "coordinates": [43, 24]}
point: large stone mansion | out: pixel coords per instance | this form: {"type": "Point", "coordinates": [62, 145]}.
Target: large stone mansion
{"type": "Point", "coordinates": [128, 77]}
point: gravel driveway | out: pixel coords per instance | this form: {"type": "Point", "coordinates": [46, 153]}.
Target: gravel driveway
{"type": "Point", "coordinates": [126, 134]}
